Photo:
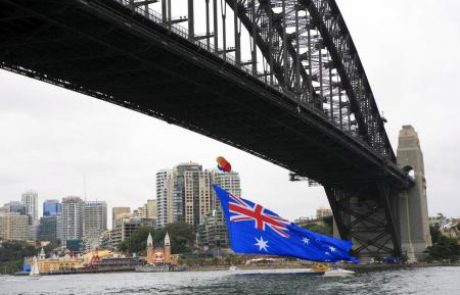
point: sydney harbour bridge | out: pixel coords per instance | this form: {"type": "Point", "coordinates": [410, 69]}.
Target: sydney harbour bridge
{"type": "Point", "coordinates": [280, 79]}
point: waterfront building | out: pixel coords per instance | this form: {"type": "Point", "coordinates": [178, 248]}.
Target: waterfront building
{"type": "Point", "coordinates": [161, 254]}
{"type": "Point", "coordinates": [30, 200]}
{"type": "Point", "coordinates": [72, 218]}
{"type": "Point", "coordinates": [117, 212]}
{"type": "Point", "coordinates": [14, 226]}
{"type": "Point", "coordinates": [52, 208]}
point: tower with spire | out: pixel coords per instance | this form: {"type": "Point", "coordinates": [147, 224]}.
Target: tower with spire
{"type": "Point", "coordinates": [150, 250]}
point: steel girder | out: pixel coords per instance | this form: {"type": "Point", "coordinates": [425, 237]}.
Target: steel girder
{"type": "Point", "coordinates": [368, 218]}
{"type": "Point", "coordinates": [311, 54]}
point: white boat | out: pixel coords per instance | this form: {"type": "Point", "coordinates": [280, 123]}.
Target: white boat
{"type": "Point", "coordinates": [338, 273]}
{"type": "Point", "coordinates": [34, 270]}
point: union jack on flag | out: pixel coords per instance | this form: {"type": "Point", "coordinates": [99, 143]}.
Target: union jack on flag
{"type": "Point", "coordinates": [243, 211]}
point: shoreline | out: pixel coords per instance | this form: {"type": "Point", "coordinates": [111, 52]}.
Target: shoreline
{"type": "Point", "coordinates": [357, 268]}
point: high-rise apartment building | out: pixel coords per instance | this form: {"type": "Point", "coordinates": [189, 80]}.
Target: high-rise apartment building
{"type": "Point", "coordinates": [14, 226]}
{"type": "Point", "coordinates": [52, 208]}
{"type": "Point", "coordinates": [73, 209]}
{"type": "Point", "coordinates": [212, 231]}
{"type": "Point", "coordinates": [185, 194]}
{"type": "Point", "coordinates": [229, 181]}
{"type": "Point", "coordinates": [30, 199]}
{"type": "Point", "coordinates": [185, 189]}
{"type": "Point", "coordinates": [164, 197]}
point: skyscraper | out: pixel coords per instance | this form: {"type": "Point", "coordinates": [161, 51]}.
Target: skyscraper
{"type": "Point", "coordinates": [72, 218]}
{"type": "Point", "coordinates": [30, 199]}
{"type": "Point", "coordinates": [52, 208]}
{"type": "Point", "coordinates": [164, 200]}
{"type": "Point", "coordinates": [185, 191]}
{"type": "Point", "coordinates": [95, 217]}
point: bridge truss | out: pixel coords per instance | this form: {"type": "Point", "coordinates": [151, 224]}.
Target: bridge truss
{"type": "Point", "coordinates": [321, 119]}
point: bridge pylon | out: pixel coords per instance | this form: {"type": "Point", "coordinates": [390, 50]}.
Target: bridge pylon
{"type": "Point", "coordinates": [413, 208]}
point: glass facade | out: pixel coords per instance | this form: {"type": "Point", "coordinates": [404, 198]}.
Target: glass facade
{"type": "Point", "coordinates": [52, 208]}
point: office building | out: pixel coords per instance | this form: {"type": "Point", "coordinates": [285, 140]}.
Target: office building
{"type": "Point", "coordinates": [52, 208]}
{"type": "Point", "coordinates": [15, 206]}
{"type": "Point", "coordinates": [117, 213]}
{"type": "Point", "coordinates": [14, 226]}
{"type": "Point", "coordinates": [95, 217]}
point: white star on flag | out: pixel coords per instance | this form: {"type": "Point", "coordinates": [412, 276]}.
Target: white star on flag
{"type": "Point", "coordinates": [333, 249]}
{"type": "Point", "coordinates": [263, 245]}
{"type": "Point", "coordinates": [306, 241]}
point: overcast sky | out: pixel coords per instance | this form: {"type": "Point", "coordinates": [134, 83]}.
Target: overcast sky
{"type": "Point", "coordinates": [52, 139]}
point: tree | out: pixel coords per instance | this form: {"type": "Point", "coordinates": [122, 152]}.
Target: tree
{"type": "Point", "coordinates": [445, 248]}
{"type": "Point", "coordinates": [435, 233]}
{"type": "Point", "coordinates": [12, 254]}
{"type": "Point", "coordinates": [319, 227]}
{"type": "Point", "coordinates": [137, 242]}
{"type": "Point", "coordinates": [182, 237]}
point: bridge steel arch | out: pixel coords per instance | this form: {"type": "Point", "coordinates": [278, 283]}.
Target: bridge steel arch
{"type": "Point", "coordinates": [313, 96]}
{"type": "Point", "coordinates": [369, 218]}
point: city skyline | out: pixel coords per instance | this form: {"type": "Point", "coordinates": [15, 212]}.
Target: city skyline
{"type": "Point", "coordinates": [54, 139]}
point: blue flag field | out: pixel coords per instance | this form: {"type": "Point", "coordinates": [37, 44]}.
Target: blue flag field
{"type": "Point", "coordinates": [255, 230]}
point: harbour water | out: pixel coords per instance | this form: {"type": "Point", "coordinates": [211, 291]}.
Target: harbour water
{"type": "Point", "coordinates": [429, 280]}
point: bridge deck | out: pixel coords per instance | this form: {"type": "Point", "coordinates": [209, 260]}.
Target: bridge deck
{"type": "Point", "coordinates": [102, 49]}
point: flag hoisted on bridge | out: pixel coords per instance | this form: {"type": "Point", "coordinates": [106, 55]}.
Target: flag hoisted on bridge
{"type": "Point", "coordinates": [255, 230]}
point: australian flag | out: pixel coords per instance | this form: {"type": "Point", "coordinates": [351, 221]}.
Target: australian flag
{"type": "Point", "coordinates": [255, 230]}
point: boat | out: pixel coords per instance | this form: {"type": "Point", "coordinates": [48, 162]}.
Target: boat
{"type": "Point", "coordinates": [337, 273]}
{"type": "Point", "coordinates": [34, 270]}
{"type": "Point", "coordinates": [159, 268]}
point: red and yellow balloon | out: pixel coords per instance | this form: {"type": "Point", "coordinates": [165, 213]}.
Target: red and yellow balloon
{"type": "Point", "coordinates": [223, 165]}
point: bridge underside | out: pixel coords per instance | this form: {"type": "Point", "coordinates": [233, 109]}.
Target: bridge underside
{"type": "Point", "coordinates": [103, 50]}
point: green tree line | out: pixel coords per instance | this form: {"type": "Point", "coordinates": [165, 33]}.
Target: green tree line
{"type": "Point", "coordinates": [181, 234]}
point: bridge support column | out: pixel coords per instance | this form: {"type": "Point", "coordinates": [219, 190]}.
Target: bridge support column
{"type": "Point", "coordinates": [414, 227]}
{"type": "Point", "coordinates": [367, 218]}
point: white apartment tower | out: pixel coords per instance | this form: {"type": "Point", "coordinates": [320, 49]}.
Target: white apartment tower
{"type": "Point", "coordinates": [73, 212]}
{"type": "Point", "coordinates": [164, 203]}
{"type": "Point", "coordinates": [30, 200]}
